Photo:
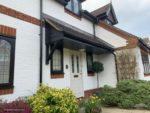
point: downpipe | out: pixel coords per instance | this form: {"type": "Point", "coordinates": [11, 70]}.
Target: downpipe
{"type": "Point", "coordinates": [41, 42]}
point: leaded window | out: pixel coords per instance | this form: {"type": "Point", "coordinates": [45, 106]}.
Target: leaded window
{"type": "Point", "coordinates": [57, 62]}
{"type": "Point", "coordinates": [5, 51]}
{"type": "Point", "coordinates": [6, 61]}
{"type": "Point", "coordinates": [74, 6]}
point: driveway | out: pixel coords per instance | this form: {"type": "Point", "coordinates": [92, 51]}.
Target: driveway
{"type": "Point", "coordinates": [117, 110]}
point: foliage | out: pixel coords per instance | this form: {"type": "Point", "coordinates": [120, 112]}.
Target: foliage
{"type": "Point", "coordinates": [92, 105]}
{"type": "Point", "coordinates": [110, 96]}
{"type": "Point", "coordinates": [127, 94]}
{"type": "Point", "coordinates": [127, 65]}
{"type": "Point", "coordinates": [21, 105]}
{"type": "Point", "coordinates": [97, 67]}
{"type": "Point", "coordinates": [52, 100]}
{"type": "Point", "coordinates": [127, 101]}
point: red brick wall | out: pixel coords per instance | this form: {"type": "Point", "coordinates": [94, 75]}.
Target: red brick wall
{"type": "Point", "coordinates": [7, 31]}
{"type": "Point", "coordinates": [19, 15]}
{"type": "Point", "coordinates": [90, 92]}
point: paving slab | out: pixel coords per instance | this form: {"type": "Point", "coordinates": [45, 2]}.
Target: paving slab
{"type": "Point", "coordinates": [117, 110]}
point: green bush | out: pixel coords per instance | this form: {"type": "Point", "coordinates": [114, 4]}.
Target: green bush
{"type": "Point", "coordinates": [127, 94]}
{"type": "Point", "coordinates": [52, 100]}
{"type": "Point", "coordinates": [127, 101]}
{"type": "Point", "coordinates": [110, 96]}
{"type": "Point", "coordinates": [126, 86]}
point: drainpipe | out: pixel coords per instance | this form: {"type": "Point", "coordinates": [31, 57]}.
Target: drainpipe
{"type": "Point", "coordinates": [116, 66]}
{"type": "Point", "coordinates": [94, 29]}
{"type": "Point", "coordinates": [98, 19]}
{"type": "Point", "coordinates": [41, 41]}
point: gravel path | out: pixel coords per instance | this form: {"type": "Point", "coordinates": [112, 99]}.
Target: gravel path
{"type": "Point", "coordinates": [117, 110]}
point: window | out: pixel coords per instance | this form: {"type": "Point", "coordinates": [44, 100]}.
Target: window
{"type": "Point", "coordinates": [74, 6]}
{"type": "Point", "coordinates": [89, 62]}
{"type": "Point", "coordinates": [7, 46]}
{"type": "Point", "coordinates": [57, 62]}
{"type": "Point", "coordinates": [145, 58]}
{"type": "Point", "coordinates": [146, 63]}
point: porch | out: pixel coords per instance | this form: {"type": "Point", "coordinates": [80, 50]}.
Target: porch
{"type": "Point", "coordinates": [78, 49]}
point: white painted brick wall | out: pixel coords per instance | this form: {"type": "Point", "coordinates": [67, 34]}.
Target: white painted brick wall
{"type": "Point", "coordinates": [26, 76]}
{"type": "Point", "coordinates": [26, 72]}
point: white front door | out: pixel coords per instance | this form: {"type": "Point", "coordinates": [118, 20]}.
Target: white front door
{"type": "Point", "coordinates": [76, 83]}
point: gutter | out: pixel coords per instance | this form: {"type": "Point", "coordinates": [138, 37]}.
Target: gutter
{"type": "Point", "coordinates": [41, 42]}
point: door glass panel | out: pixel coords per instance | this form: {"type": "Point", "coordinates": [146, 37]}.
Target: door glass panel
{"type": "Point", "coordinates": [77, 58]}
{"type": "Point", "coordinates": [72, 61]}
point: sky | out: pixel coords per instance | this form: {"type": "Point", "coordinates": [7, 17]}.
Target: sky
{"type": "Point", "coordinates": [133, 15]}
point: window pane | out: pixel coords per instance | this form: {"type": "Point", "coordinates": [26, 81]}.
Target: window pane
{"type": "Point", "coordinates": [145, 58]}
{"type": "Point", "coordinates": [69, 6]}
{"type": "Point", "coordinates": [56, 60]}
{"type": "Point", "coordinates": [89, 62]}
{"type": "Point", "coordinates": [76, 6]}
{"type": "Point", "coordinates": [5, 51]}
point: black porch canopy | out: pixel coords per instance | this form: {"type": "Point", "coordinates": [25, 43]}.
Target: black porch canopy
{"type": "Point", "coordinates": [58, 32]}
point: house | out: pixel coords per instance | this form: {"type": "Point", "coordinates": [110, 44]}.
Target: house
{"type": "Point", "coordinates": [140, 48]}
{"type": "Point", "coordinates": [55, 42]}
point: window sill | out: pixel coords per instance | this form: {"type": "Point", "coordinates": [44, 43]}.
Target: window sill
{"type": "Point", "coordinates": [57, 76]}
{"type": "Point", "coordinates": [72, 14]}
{"type": "Point", "coordinates": [146, 74]}
{"type": "Point", "coordinates": [90, 73]}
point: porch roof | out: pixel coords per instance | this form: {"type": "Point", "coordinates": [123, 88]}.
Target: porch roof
{"type": "Point", "coordinates": [73, 37]}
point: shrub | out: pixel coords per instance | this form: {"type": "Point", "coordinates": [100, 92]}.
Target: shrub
{"type": "Point", "coordinates": [127, 101]}
{"type": "Point", "coordinates": [127, 94]}
{"type": "Point", "coordinates": [110, 96]}
{"type": "Point", "coordinates": [52, 100]}
{"type": "Point", "coordinates": [20, 105]}
{"type": "Point", "coordinates": [127, 86]}
{"type": "Point", "coordinates": [92, 105]}
{"type": "Point", "coordinates": [97, 67]}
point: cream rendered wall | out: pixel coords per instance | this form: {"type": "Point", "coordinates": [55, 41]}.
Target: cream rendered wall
{"type": "Point", "coordinates": [110, 37]}
{"type": "Point", "coordinates": [108, 76]}
{"type": "Point", "coordinates": [26, 70]}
